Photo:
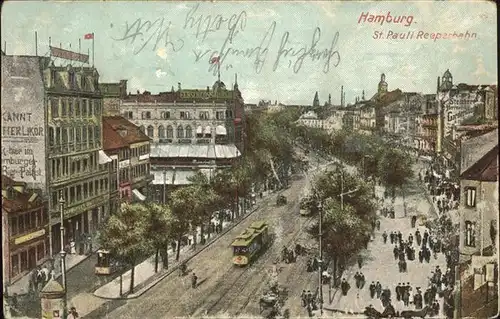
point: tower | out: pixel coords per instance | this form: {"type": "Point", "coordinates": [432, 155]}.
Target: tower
{"type": "Point", "coordinates": [316, 100]}
{"type": "Point", "coordinates": [363, 96]}
{"type": "Point", "coordinates": [235, 81]}
{"type": "Point", "coordinates": [342, 96]}
{"type": "Point", "coordinates": [447, 81]}
{"type": "Point", "coordinates": [329, 99]}
{"type": "Point", "coordinates": [382, 85]}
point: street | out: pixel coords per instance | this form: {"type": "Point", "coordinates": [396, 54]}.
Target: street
{"type": "Point", "coordinates": [222, 287]}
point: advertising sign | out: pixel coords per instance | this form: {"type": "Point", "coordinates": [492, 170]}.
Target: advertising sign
{"type": "Point", "coordinates": [23, 121]}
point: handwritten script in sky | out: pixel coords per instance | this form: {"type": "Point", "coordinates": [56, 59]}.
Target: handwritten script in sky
{"type": "Point", "coordinates": [206, 30]}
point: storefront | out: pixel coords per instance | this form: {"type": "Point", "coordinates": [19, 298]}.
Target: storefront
{"type": "Point", "coordinates": [80, 229]}
{"type": "Point", "coordinates": [27, 252]}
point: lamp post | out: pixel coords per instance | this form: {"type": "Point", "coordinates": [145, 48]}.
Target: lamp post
{"type": "Point", "coordinates": [62, 202]}
{"type": "Point", "coordinates": [320, 261]}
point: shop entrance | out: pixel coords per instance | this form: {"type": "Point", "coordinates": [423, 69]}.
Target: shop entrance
{"type": "Point", "coordinates": [31, 257]}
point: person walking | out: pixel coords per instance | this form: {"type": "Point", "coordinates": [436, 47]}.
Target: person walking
{"type": "Point", "coordinates": [378, 289]}
{"type": "Point", "coordinates": [362, 280]}
{"type": "Point", "coordinates": [384, 237]}
{"type": "Point", "coordinates": [392, 237]}
{"type": "Point", "coordinates": [378, 224]}
{"type": "Point", "coordinates": [303, 297]}
{"type": "Point", "coordinates": [372, 290]}
{"type": "Point", "coordinates": [360, 261]}
{"type": "Point", "coordinates": [194, 280]}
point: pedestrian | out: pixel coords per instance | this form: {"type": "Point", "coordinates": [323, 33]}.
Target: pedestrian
{"type": "Point", "coordinates": [395, 252]}
{"type": "Point", "coordinates": [32, 284]}
{"type": "Point", "coordinates": [418, 237]}
{"type": "Point", "coordinates": [309, 297]}
{"type": "Point", "coordinates": [378, 289]}
{"type": "Point", "coordinates": [356, 279]}
{"type": "Point", "coordinates": [398, 292]}
{"type": "Point", "coordinates": [372, 290]}
{"type": "Point", "coordinates": [194, 280]}
{"type": "Point", "coordinates": [378, 224]}
{"type": "Point", "coordinates": [384, 237]}
{"type": "Point", "coordinates": [362, 280]}
{"type": "Point", "coordinates": [46, 274]}
{"type": "Point", "coordinates": [360, 261]}
{"type": "Point", "coordinates": [39, 278]}
{"type": "Point", "coordinates": [392, 237]}
{"type": "Point", "coordinates": [73, 314]}
{"type": "Point", "coordinates": [303, 297]}
{"type": "Point", "coordinates": [344, 287]}
{"type": "Point", "coordinates": [413, 221]}
{"type": "Point", "coordinates": [400, 236]}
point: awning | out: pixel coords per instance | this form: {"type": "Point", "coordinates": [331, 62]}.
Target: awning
{"type": "Point", "coordinates": [199, 130]}
{"type": "Point", "coordinates": [138, 195]}
{"type": "Point", "coordinates": [103, 158]}
{"type": "Point", "coordinates": [208, 130]}
{"type": "Point", "coordinates": [220, 130]}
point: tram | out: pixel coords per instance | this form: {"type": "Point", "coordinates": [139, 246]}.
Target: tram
{"type": "Point", "coordinates": [250, 243]}
{"type": "Point", "coordinates": [105, 263]}
{"type": "Point", "coordinates": [305, 205]}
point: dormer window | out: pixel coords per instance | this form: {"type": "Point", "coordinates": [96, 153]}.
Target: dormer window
{"type": "Point", "coordinates": [53, 76]}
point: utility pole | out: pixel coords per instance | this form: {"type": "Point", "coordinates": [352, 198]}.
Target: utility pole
{"type": "Point", "coordinates": [63, 259]}
{"type": "Point", "coordinates": [320, 270]}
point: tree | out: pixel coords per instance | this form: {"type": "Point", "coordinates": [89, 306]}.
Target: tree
{"type": "Point", "coordinates": [126, 236]}
{"type": "Point", "coordinates": [395, 169]}
{"type": "Point", "coordinates": [184, 203]}
{"type": "Point", "coordinates": [160, 231]}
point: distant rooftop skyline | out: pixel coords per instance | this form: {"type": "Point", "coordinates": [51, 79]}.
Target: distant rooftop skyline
{"type": "Point", "coordinates": [353, 58]}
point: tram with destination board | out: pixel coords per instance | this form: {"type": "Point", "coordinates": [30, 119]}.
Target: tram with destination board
{"type": "Point", "coordinates": [248, 245]}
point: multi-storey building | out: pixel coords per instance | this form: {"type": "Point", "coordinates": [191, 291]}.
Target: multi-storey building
{"type": "Point", "coordinates": [189, 129]}
{"type": "Point", "coordinates": [52, 125]}
{"type": "Point", "coordinates": [25, 228]}
{"type": "Point", "coordinates": [129, 149]}
{"type": "Point", "coordinates": [310, 119]}
{"type": "Point", "coordinates": [478, 263]}
{"type": "Point", "coordinates": [367, 119]}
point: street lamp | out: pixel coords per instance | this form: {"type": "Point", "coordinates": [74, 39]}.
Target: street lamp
{"type": "Point", "coordinates": [63, 258]}
{"type": "Point", "coordinates": [320, 261]}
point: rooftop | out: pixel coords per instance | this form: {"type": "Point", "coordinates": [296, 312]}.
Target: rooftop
{"type": "Point", "coordinates": [14, 200]}
{"type": "Point", "coordinates": [213, 151]}
{"type": "Point", "coordinates": [118, 132]}
{"type": "Point", "coordinates": [473, 149]}
{"type": "Point", "coordinates": [485, 169]}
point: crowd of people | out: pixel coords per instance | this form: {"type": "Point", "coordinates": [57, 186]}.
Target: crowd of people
{"type": "Point", "coordinates": [446, 195]}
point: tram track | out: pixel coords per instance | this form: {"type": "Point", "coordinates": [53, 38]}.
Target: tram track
{"type": "Point", "coordinates": [239, 301]}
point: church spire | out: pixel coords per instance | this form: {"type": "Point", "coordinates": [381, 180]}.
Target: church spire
{"type": "Point", "coordinates": [363, 96]}
{"type": "Point", "coordinates": [236, 81]}
{"type": "Point", "coordinates": [316, 100]}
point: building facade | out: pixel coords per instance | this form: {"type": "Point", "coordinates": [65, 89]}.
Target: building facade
{"type": "Point", "coordinates": [190, 130]}
{"type": "Point", "coordinates": [57, 139]}
{"type": "Point", "coordinates": [25, 228]}
{"type": "Point", "coordinates": [130, 170]}
{"type": "Point", "coordinates": [477, 295]}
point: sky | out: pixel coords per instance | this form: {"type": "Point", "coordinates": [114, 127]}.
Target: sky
{"type": "Point", "coordinates": [269, 45]}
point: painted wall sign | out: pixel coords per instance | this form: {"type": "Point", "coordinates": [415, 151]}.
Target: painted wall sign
{"type": "Point", "coordinates": [23, 122]}
{"type": "Point", "coordinates": [29, 237]}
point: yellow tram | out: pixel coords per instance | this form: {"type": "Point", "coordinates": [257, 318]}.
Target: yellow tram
{"type": "Point", "coordinates": [250, 243]}
{"type": "Point", "coordinates": [105, 264]}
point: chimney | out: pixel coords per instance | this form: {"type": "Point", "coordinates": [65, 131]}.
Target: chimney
{"type": "Point", "coordinates": [138, 92]}
{"type": "Point", "coordinates": [208, 88]}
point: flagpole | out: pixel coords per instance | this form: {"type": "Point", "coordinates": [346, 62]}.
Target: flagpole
{"type": "Point", "coordinates": [88, 54]}
{"type": "Point", "coordinates": [50, 46]}
{"type": "Point", "coordinates": [80, 49]}
{"type": "Point", "coordinates": [93, 49]}
{"type": "Point", "coordinates": [218, 69]}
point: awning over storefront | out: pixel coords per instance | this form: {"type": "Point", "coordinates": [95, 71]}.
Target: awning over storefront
{"type": "Point", "coordinates": [208, 130]}
{"type": "Point", "coordinates": [220, 130]}
{"type": "Point", "coordinates": [103, 158]}
{"type": "Point", "coordinates": [138, 195]}
{"type": "Point", "coordinates": [199, 130]}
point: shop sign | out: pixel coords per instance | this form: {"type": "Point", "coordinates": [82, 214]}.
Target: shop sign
{"type": "Point", "coordinates": [29, 237]}
{"type": "Point", "coordinates": [84, 206]}
{"type": "Point", "coordinates": [124, 164]}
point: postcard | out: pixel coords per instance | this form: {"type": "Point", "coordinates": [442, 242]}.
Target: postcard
{"type": "Point", "coordinates": [249, 159]}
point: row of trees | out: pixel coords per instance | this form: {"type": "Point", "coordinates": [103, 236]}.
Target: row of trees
{"type": "Point", "coordinates": [139, 230]}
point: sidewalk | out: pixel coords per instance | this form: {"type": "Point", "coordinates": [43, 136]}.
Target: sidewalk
{"type": "Point", "coordinates": [379, 264]}
{"type": "Point", "coordinates": [21, 286]}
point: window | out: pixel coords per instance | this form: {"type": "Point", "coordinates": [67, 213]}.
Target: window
{"type": "Point", "coordinates": [72, 81]}
{"type": "Point", "coordinates": [142, 128]}
{"type": "Point", "coordinates": [150, 131]}
{"type": "Point", "coordinates": [180, 131]}
{"type": "Point", "coordinates": [161, 131]}
{"type": "Point", "coordinates": [78, 107]}
{"type": "Point", "coordinates": [184, 115]}
{"type": "Point", "coordinates": [13, 226]}
{"type": "Point", "coordinates": [51, 136]}
{"type": "Point", "coordinates": [470, 234]}
{"type": "Point", "coordinates": [70, 107]}
{"type": "Point", "coordinates": [219, 115]}
{"type": "Point", "coordinates": [97, 134]}
{"type": "Point", "coordinates": [204, 115]}
{"type": "Point", "coordinates": [64, 110]}
{"type": "Point", "coordinates": [91, 107]}
{"type": "Point", "coordinates": [78, 134]}
{"type": "Point", "coordinates": [84, 108]}
{"type": "Point", "coordinates": [146, 115]}
{"type": "Point", "coordinates": [84, 135]}
{"type": "Point", "coordinates": [24, 260]}
{"type": "Point", "coordinates": [97, 107]}
{"type": "Point", "coordinates": [450, 116]}
{"type": "Point", "coordinates": [170, 131]}
{"type": "Point", "coordinates": [130, 114]}
{"type": "Point", "coordinates": [14, 260]}
{"type": "Point", "coordinates": [54, 108]}
{"type": "Point", "coordinates": [470, 196]}
{"type": "Point", "coordinates": [65, 136]}
{"type": "Point", "coordinates": [165, 115]}
{"type": "Point", "coordinates": [229, 114]}
{"type": "Point", "coordinates": [189, 132]}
